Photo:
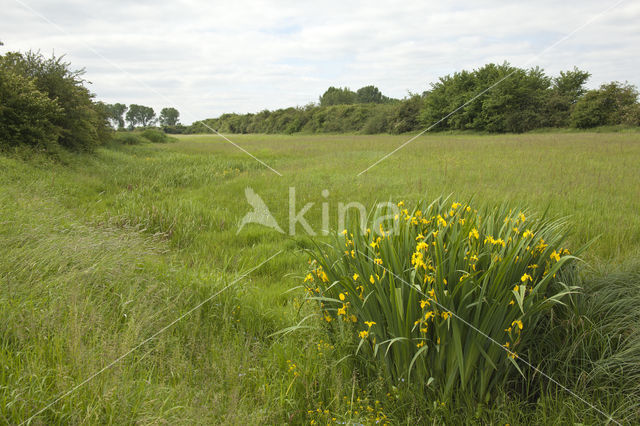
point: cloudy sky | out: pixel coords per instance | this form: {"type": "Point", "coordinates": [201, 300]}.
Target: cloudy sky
{"type": "Point", "coordinates": [210, 57]}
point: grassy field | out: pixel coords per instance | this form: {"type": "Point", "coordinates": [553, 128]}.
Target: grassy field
{"type": "Point", "coordinates": [101, 251]}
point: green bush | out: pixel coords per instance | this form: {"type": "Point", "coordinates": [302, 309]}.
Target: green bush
{"type": "Point", "coordinates": [129, 138]}
{"type": "Point", "coordinates": [83, 124]}
{"type": "Point", "coordinates": [26, 114]}
{"type": "Point", "coordinates": [422, 292]}
{"type": "Point", "coordinates": [155, 136]}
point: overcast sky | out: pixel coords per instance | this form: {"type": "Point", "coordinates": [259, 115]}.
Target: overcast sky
{"type": "Point", "coordinates": [206, 58]}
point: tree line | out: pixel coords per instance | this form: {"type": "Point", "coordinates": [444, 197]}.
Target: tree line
{"type": "Point", "coordinates": [45, 104]}
{"type": "Point", "coordinates": [506, 99]}
{"type": "Point", "coordinates": [140, 116]}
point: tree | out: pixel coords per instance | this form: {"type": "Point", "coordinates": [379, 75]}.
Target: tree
{"type": "Point", "coordinates": [606, 106]}
{"type": "Point", "coordinates": [566, 89]}
{"type": "Point", "coordinates": [369, 94]}
{"type": "Point", "coordinates": [169, 116]}
{"type": "Point", "coordinates": [140, 115]}
{"type": "Point", "coordinates": [115, 114]}
{"type": "Point", "coordinates": [514, 105]}
{"type": "Point", "coordinates": [337, 96]}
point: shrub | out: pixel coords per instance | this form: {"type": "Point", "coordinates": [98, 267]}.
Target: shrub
{"type": "Point", "coordinates": [83, 124]}
{"type": "Point", "coordinates": [155, 135]}
{"type": "Point", "coordinates": [26, 114]}
{"type": "Point", "coordinates": [129, 138]}
{"type": "Point", "coordinates": [421, 293]}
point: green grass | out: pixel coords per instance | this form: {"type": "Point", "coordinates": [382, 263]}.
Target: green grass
{"type": "Point", "coordinates": [99, 252]}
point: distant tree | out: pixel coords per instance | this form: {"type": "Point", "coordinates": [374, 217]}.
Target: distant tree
{"type": "Point", "coordinates": [115, 114]}
{"type": "Point", "coordinates": [140, 115]}
{"type": "Point", "coordinates": [514, 105]}
{"type": "Point", "coordinates": [565, 91]}
{"type": "Point", "coordinates": [169, 116]}
{"type": "Point", "coordinates": [369, 94]}
{"type": "Point", "coordinates": [337, 96]}
{"type": "Point", "coordinates": [608, 105]}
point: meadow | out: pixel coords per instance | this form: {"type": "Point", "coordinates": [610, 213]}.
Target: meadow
{"type": "Point", "coordinates": [101, 251]}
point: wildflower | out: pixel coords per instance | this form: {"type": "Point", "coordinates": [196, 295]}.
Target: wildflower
{"type": "Point", "coordinates": [522, 218]}
{"type": "Point", "coordinates": [527, 234]}
{"type": "Point", "coordinates": [353, 254]}
{"type": "Point", "coordinates": [555, 256]}
{"type": "Point", "coordinates": [441, 221]}
{"type": "Point", "coordinates": [526, 277]}
{"type": "Point", "coordinates": [420, 237]}
{"type": "Point", "coordinates": [428, 315]}
{"type": "Point", "coordinates": [343, 310]}
{"type": "Point", "coordinates": [516, 230]}
{"type": "Point", "coordinates": [401, 203]}
{"type": "Point", "coordinates": [327, 317]}
{"type": "Point", "coordinates": [341, 296]}
{"type": "Point", "coordinates": [474, 234]}
{"type": "Point", "coordinates": [511, 302]}
{"type": "Point", "coordinates": [353, 318]}
{"type": "Point", "coordinates": [446, 315]}
{"type": "Point", "coordinates": [516, 288]}
{"type": "Point", "coordinates": [419, 345]}
{"type": "Point", "coordinates": [371, 280]}
{"type": "Point", "coordinates": [438, 341]}
{"type": "Point", "coordinates": [422, 246]}
{"type": "Point", "coordinates": [355, 277]}
{"type": "Point", "coordinates": [377, 261]}
{"type": "Point", "coordinates": [344, 232]}
{"type": "Point", "coordinates": [432, 293]}
{"type": "Point", "coordinates": [309, 277]}
{"type": "Point", "coordinates": [454, 206]}
{"type": "Point", "coordinates": [363, 334]}
{"type": "Point", "coordinates": [541, 245]}
{"type": "Point", "coordinates": [424, 303]}
{"type": "Point", "coordinates": [370, 323]}
{"type": "Point", "coordinates": [518, 323]}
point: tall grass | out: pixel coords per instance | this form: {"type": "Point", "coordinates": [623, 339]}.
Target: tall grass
{"type": "Point", "coordinates": [150, 231]}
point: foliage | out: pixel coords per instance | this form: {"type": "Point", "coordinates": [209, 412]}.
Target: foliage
{"type": "Point", "coordinates": [115, 114]}
{"type": "Point", "coordinates": [140, 115]}
{"type": "Point", "coordinates": [607, 105]}
{"type": "Point", "coordinates": [444, 295]}
{"type": "Point", "coordinates": [337, 96]}
{"type": "Point", "coordinates": [129, 138]}
{"type": "Point", "coordinates": [169, 116]}
{"type": "Point", "coordinates": [501, 98]}
{"type": "Point", "coordinates": [26, 114]}
{"type": "Point", "coordinates": [155, 135]}
{"type": "Point", "coordinates": [83, 124]}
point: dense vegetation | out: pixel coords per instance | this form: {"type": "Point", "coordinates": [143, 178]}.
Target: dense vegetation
{"type": "Point", "coordinates": [509, 99]}
{"type": "Point", "coordinates": [44, 104]}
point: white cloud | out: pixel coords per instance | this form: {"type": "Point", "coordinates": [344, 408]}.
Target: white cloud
{"type": "Point", "coordinates": [208, 58]}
